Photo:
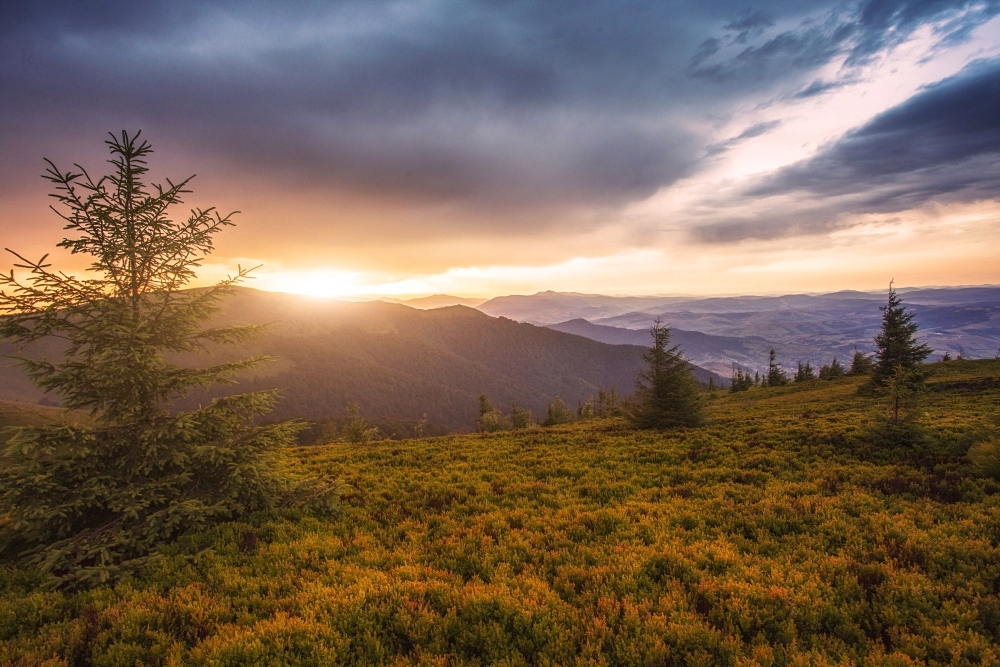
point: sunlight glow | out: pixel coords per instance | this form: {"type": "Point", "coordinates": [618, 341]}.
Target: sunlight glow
{"type": "Point", "coordinates": [318, 283]}
{"type": "Point", "coordinates": [924, 246]}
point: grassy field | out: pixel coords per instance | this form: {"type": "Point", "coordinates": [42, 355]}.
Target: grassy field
{"type": "Point", "coordinates": [779, 534]}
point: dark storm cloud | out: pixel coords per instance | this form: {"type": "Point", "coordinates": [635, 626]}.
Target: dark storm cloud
{"type": "Point", "coordinates": [751, 24]}
{"type": "Point", "coordinates": [496, 105]}
{"type": "Point", "coordinates": [942, 144]}
{"type": "Point", "coordinates": [516, 104]}
{"type": "Point", "coordinates": [885, 23]}
{"type": "Point", "coordinates": [931, 134]}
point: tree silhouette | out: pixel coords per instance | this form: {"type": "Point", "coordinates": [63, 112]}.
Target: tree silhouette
{"type": "Point", "coordinates": [775, 374]}
{"type": "Point", "coordinates": [666, 393]}
{"type": "Point", "coordinates": [88, 502]}
{"type": "Point", "coordinates": [896, 345]}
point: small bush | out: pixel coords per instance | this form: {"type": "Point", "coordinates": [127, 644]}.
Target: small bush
{"type": "Point", "coordinates": [985, 456]}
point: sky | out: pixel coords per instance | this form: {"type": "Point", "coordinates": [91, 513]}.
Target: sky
{"type": "Point", "coordinates": [486, 148]}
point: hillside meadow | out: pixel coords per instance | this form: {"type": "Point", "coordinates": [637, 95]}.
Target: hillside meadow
{"type": "Point", "coordinates": [782, 533]}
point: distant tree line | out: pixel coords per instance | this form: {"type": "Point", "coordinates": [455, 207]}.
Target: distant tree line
{"type": "Point", "coordinates": [353, 427]}
{"type": "Point", "coordinates": [861, 364]}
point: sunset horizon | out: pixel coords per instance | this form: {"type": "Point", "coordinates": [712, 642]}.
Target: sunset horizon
{"type": "Point", "coordinates": [407, 149]}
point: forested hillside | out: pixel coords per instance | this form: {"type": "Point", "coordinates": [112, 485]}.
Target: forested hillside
{"type": "Point", "coordinates": [399, 362]}
{"type": "Point", "coordinates": [784, 532]}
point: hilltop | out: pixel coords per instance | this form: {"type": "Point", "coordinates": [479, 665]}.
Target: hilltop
{"type": "Point", "coordinates": [781, 533]}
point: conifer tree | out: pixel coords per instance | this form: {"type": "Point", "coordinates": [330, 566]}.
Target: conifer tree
{"type": "Point", "coordinates": [832, 371]}
{"type": "Point", "coordinates": [557, 413]}
{"type": "Point", "coordinates": [861, 363]}
{"type": "Point", "coordinates": [740, 381]}
{"type": "Point", "coordinates": [520, 417]}
{"type": "Point", "coordinates": [775, 374]}
{"type": "Point", "coordinates": [666, 394]}
{"type": "Point", "coordinates": [896, 345]}
{"type": "Point", "coordinates": [804, 373]}
{"type": "Point", "coordinates": [356, 428]}
{"type": "Point", "coordinates": [608, 403]}
{"type": "Point", "coordinates": [491, 419]}
{"type": "Point", "coordinates": [88, 502]}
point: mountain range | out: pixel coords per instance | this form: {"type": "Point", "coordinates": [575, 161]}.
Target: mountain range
{"type": "Point", "coordinates": [420, 361]}
{"type": "Point", "coordinates": [741, 329]}
{"type": "Point", "coordinates": [395, 361]}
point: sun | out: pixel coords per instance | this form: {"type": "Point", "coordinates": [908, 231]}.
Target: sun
{"type": "Point", "coordinates": [322, 283]}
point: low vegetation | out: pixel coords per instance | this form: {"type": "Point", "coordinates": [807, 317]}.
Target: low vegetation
{"type": "Point", "coordinates": [780, 533]}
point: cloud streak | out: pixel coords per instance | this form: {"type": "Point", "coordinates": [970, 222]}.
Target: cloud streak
{"type": "Point", "coordinates": [941, 145]}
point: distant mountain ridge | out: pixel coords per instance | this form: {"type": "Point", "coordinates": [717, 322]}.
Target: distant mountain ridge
{"type": "Point", "coordinates": [399, 362]}
{"type": "Point", "coordinates": [546, 308]}
{"type": "Point", "coordinates": [802, 327]}
{"type": "Point", "coordinates": [437, 301]}
{"type": "Point", "coordinates": [713, 353]}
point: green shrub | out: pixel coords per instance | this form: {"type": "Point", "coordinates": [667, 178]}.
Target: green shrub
{"type": "Point", "coordinates": [985, 455]}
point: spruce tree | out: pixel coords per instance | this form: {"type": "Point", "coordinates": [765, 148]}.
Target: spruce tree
{"type": "Point", "coordinates": [896, 345]}
{"type": "Point", "coordinates": [667, 394]}
{"type": "Point", "coordinates": [832, 371]}
{"type": "Point", "coordinates": [804, 373]}
{"type": "Point", "coordinates": [356, 427]}
{"type": "Point", "coordinates": [520, 417]}
{"type": "Point", "coordinates": [557, 413]}
{"type": "Point", "coordinates": [87, 502]}
{"type": "Point", "coordinates": [861, 363]}
{"type": "Point", "coordinates": [608, 403]}
{"type": "Point", "coordinates": [775, 374]}
{"type": "Point", "coordinates": [740, 381]}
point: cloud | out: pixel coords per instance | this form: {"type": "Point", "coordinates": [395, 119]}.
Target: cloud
{"type": "Point", "coordinates": [931, 134]}
{"type": "Point", "coordinates": [749, 24]}
{"type": "Point", "coordinates": [886, 23]}
{"type": "Point", "coordinates": [755, 130]}
{"type": "Point", "coordinates": [482, 109]}
{"type": "Point", "coordinates": [799, 49]}
{"type": "Point", "coordinates": [818, 87]}
{"type": "Point", "coordinates": [941, 145]}
{"type": "Point", "coordinates": [440, 101]}
{"type": "Point", "coordinates": [855, 36]}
